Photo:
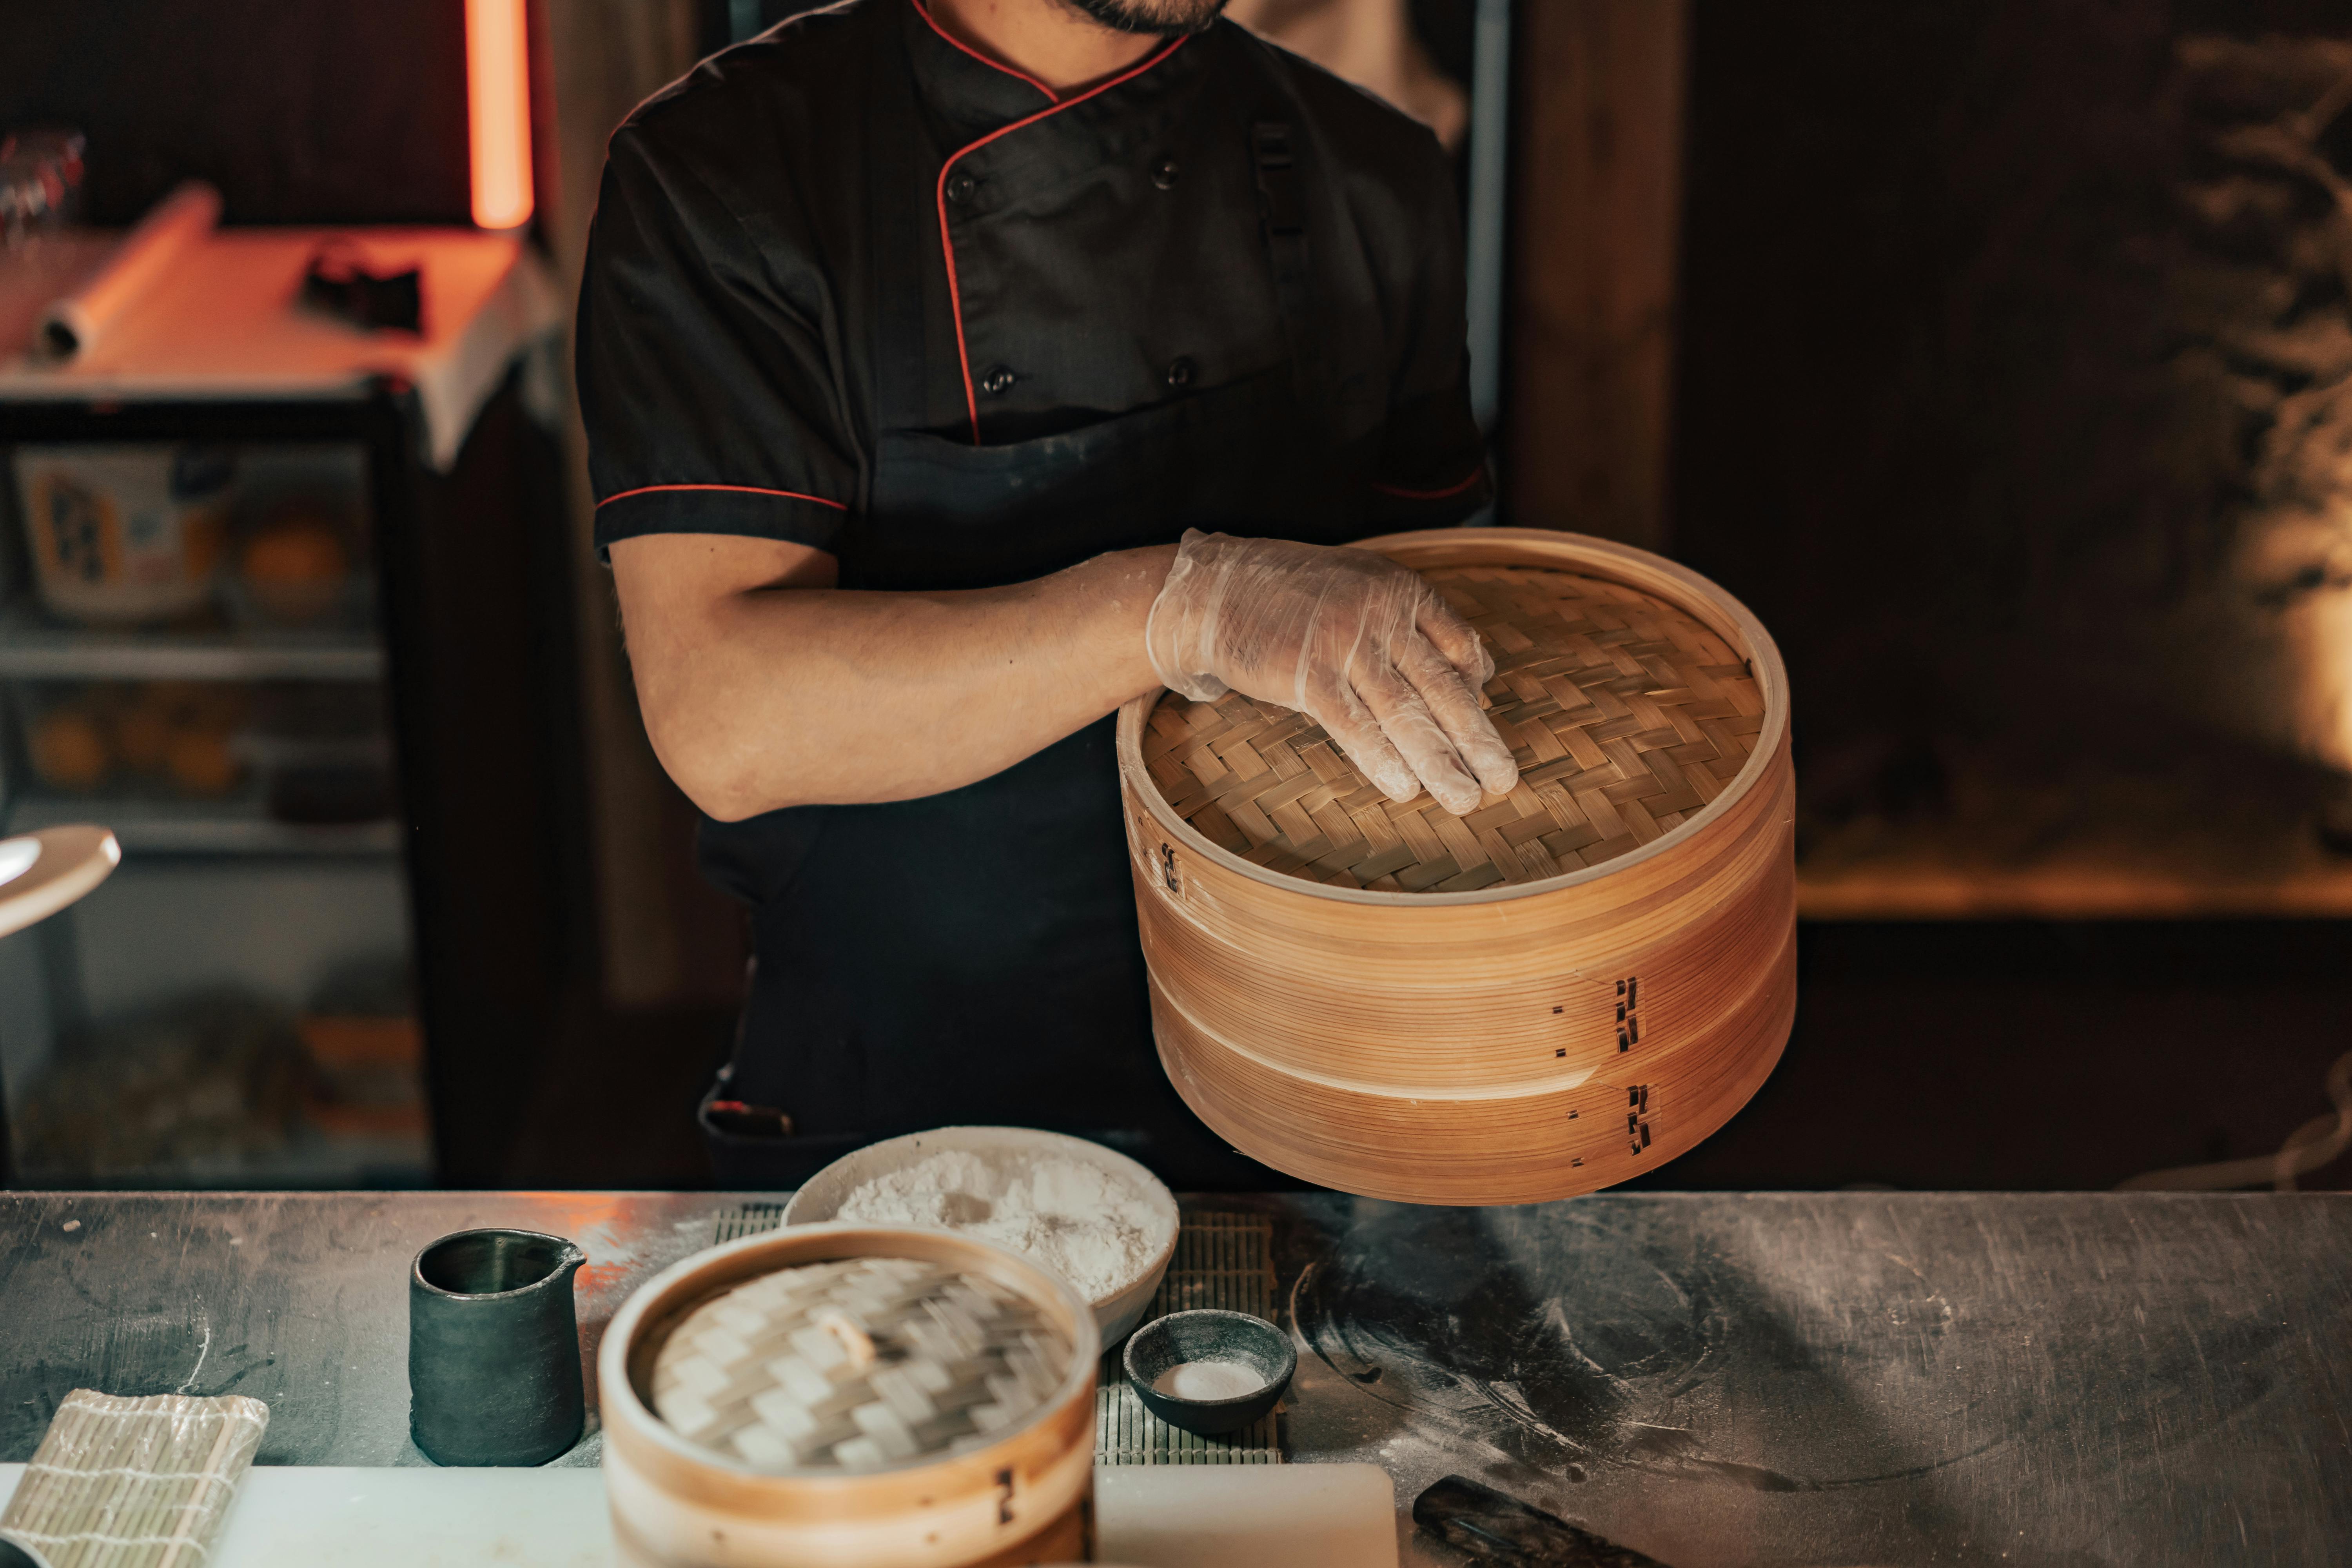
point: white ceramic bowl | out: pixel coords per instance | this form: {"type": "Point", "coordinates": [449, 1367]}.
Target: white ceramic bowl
{"type": "Point", "coordinates": [1116, 1314]}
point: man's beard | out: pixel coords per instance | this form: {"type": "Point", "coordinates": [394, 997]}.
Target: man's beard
{"type": "Point", "coordinates": [1162, 17]}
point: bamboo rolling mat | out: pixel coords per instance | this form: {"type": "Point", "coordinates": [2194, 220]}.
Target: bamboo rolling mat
{"type": "Point", "coordinates": [1223, 1261]}
{"type": "Point", "coordinates": [745, 1219]}
{"type": "Point", "coordinates": [134, 1483]}
{"type": "Point", "coordinates": [1626, 716]}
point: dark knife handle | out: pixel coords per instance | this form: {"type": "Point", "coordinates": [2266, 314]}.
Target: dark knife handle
{"type": "Point", "coordinates": [1496, 1528]}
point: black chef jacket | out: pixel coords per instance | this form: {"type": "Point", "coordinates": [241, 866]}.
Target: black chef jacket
{"type": "Point", "coordinates": [854, 286]}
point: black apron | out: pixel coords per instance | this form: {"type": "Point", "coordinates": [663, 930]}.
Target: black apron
{"type": "Point", "coordinates": [972, 957]}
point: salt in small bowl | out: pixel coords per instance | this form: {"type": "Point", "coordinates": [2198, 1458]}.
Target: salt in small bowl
{"type": "Point", "coordinates": [1183, 1337]}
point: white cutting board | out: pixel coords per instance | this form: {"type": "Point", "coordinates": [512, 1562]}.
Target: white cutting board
{"type": "Point", "coordinates": [1241, 1515]}
{"type": "Point", "coordinates": [1152, 1516]}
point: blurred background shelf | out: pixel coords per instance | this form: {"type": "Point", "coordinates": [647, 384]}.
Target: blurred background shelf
{"type": "Point", "coordinates": [233, 826]}
{"type": "Point", "coordinates": [35, 647]}
{"type": "Point", "coordinates": [308, 1160]}
{"type": "Point", "coordinates": [1953, 830]}
{"type": "Point", "coordinates": [1925, 886]}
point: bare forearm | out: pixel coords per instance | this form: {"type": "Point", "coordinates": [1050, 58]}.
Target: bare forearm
{"type": "Point", "coordinates": [795, 695]}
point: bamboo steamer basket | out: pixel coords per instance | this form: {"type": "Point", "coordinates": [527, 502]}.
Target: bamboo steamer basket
{"type": "Point", "coordinates": [1025, 1498]}
{"type": "Point", "coordinates": [1600, 968]}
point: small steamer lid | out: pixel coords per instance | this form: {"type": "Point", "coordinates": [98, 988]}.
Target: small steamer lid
{"type": "Point", "coordinates": [1628, 717]}
{"type": "Point", "coordinates": [857, 1363]}
{"type": "Point", "coordinates": [658, 1308]}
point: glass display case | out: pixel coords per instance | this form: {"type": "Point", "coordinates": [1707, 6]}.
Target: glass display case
{"type": "Point", "coordinates": [190, 653]}
{"type": "Point", "coordinates": [285, 605]}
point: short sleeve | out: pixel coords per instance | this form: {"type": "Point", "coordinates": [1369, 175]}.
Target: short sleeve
{"type": "Point", "coordinates": [711, 404]}
{"type": "Point", "coordinates": [1431, 470]}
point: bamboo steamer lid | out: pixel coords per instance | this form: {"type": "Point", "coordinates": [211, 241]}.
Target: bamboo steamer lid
{"type": "Point", "coordinates": [1567, 987]}
{"type": "Point", "coordinates": [1021, 1498]}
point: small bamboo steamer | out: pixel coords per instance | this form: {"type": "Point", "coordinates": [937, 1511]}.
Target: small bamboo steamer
{"type": "Point", "coordinates": [1547, 1036]}
{"type": "Point", "coordinates": [1027, 1497]}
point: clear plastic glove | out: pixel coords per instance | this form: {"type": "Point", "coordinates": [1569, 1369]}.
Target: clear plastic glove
{"type": "Point", "coordinates": [1361, 644]}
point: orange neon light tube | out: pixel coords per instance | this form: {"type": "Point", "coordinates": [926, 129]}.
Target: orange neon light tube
{"type": "Point", "coordinates": [497, 95]}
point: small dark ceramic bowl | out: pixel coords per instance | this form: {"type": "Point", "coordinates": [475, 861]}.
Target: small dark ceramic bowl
{"type": "Point", "coordinates": [1180, 1337]}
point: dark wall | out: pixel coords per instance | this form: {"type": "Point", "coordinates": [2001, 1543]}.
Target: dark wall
{"type": "Point", "coordinates": [299, 110]}
{"type": "Point", "coordinates": [1895, 219]}
{"type": "Point", "coordinates": [1926, 404]}
{"type": "Point", "coordinates": [1930, 397]}
{"type": "Point", "coordinates": [2023, 1057]}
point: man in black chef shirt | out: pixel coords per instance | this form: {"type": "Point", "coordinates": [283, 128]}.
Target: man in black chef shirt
{"type": "Point", "coordinates": [919, 340]}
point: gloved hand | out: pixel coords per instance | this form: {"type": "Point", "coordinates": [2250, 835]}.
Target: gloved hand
{"type": "Point", "coordinates": [1361, 644]}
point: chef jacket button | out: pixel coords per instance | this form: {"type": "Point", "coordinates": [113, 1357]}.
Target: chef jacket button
{"type": "Point", "coordinates": [1165, 173]}
{"type": "Point", "coordinates": [998, 382]}
{"type": "Point", "coordinates": [1180, 372]}
{"type": "Point", "coordinates": [961, 188]}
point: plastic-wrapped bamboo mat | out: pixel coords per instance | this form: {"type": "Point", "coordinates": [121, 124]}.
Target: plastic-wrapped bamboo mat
{"type": "Point", "coordinates": [133, 1483]}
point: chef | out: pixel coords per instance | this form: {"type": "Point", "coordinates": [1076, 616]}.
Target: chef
{"type": "Point", "coordinates": [955, 371]}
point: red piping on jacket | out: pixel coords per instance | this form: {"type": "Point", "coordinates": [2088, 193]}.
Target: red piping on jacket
{"type": "Point", "coordinates": [947, 243]}
{"type": "Point", "coordinates": [739, 489]}
{"type": "Point", "coordinates": [925, 12]}
{"type": "Point", "coordinates": [1475, 474]}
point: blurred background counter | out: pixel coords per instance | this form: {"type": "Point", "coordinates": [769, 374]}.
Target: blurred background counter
{"type": "Point", "coordinates": [281, 602]}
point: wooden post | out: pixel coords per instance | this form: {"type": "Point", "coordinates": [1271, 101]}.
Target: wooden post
{"type": "Point", "coordinates": [663, 937]}
{"type": "Point", "coordinates": [1598, 202]}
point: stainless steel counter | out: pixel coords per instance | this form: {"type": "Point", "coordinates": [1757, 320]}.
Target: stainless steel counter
{"type": "Point", "coordinates": [1713, 1379]}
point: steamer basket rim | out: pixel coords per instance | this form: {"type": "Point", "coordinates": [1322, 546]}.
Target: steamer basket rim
{"type": "Point", "coordinates": [1694, 595]}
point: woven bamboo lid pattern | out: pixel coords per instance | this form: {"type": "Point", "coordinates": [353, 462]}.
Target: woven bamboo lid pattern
{"type": "Point", "coordinates": [1626, 716]}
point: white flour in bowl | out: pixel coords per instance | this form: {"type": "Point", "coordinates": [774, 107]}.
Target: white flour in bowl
{"type": "Point", "coordinates": [1092, 1226]}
